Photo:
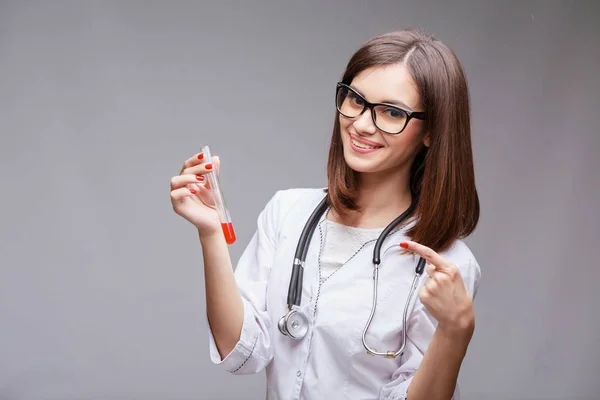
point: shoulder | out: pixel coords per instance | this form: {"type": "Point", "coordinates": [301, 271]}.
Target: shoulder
{"type": "Point", "coordinates": [463, 258]}
{"type": "Point", "coordinates": [293, 195]}
{"type": "Point", "coordinates": [296, 199]}
{"type": "Point", "coordinates": [290, 205]}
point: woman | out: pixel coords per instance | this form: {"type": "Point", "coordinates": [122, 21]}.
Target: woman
{"type": "Point", "coordinates": [401, 136]}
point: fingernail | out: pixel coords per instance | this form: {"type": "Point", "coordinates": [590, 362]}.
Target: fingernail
{"type": "Point", "coordinates": [200, 178]}
{"type": "Point", "coordinates": [404, 245]}
{"type": "Point", "coordinates": [192, 191]}
{"type": "Point", "coordinates": [208, 166]}
{"type": "Point", "coordinates": [200, 156]}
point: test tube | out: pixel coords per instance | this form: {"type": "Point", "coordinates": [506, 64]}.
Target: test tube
{"type": "Point", "coordinates": [215, 187]}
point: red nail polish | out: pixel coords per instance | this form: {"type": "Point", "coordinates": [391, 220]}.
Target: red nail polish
{"type": "Point", "coordinates": [199, 177]}
{"type": "Point", "coordinates": [200, 156]}
{"type": "Point", "coordinates": [208, 166]}
{"type": "Point", "coordinates": [192, 191]}
{"type": "Point", "coordinates": [404, 245]}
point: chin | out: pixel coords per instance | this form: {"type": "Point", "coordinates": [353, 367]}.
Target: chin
{"type": "Point", "coordinates": [363, 168]}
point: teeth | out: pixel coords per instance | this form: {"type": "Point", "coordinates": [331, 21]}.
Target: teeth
{"type": "Point", "coordinates": [362, 145]}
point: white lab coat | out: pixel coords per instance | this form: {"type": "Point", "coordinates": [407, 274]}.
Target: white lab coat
{"type": "Point", "coordinates": [330, 362]}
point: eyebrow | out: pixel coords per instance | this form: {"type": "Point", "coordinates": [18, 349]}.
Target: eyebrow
{"type": "Point", "coordinates": [393, 102]}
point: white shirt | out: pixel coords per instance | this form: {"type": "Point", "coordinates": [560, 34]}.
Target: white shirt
{"type": "Point", "coordinates": [330, 362]}
{"type": "Point", "coordinates": [341, 244]}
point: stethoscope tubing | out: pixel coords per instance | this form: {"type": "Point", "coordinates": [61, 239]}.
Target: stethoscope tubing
{"type": "Point", "coordinates": [295, 287]}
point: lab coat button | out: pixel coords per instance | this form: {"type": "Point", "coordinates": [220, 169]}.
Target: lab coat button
{"type": "Point", "coordinates": [298, 374]}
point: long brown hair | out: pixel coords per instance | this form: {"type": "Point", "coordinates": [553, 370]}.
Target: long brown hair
{"type": "Point", "coordinates": [442, 177]}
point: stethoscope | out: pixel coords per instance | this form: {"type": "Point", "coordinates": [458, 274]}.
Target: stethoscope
{"type": "Point", "coordinates": [294, 323]}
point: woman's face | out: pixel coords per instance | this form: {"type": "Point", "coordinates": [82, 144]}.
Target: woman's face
{"type": "Point", "coordinates": [368, 149]}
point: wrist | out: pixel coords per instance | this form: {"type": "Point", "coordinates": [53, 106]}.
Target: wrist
{"type": "Point", "coordinates": [460, 328]}
{"type": "Point", "coordinates": [208, 238]}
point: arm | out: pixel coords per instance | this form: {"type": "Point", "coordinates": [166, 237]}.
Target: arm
{"type": "Point", "coordinates": [431, 361]}
{"type": "Point", "coordinates": [239, 324]}
{"type": "Point", "coordinates": [224, 306]}
{"type": "Point", "coordinates": [435, 348]}
{"type": "Point", "coordinates": [236, 307]}
{"type": "Point", "coordinates": [437, 375]}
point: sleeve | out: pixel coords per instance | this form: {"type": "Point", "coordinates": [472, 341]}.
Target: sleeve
{"type": "Point", "coordinates": [253, 352]}
{"type": "Point", "coordinates": [421, 329]}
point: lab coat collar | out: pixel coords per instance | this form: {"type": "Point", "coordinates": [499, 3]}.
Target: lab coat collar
{"type": "Point", "coordinates": [390, 243]}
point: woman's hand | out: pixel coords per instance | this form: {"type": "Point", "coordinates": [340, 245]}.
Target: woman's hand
{"type": "Point", "coordinates": [192, 198]}
{"type": "Point", "coordinates": [444, 294]}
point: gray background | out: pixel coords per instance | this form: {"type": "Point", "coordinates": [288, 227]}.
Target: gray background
{"type": "Point", "coordinates": [101, 284]}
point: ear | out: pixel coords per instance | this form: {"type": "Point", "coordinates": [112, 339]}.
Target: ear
{"type": "Point", "coordinates": [427, 140]}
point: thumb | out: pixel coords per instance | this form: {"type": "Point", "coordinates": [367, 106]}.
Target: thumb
{"type": "Point", "coordinates": [444, 268]}
{"type": "Point", "coordinates": [216, 163]}
{"type": "Point", "coordinates": [204, 194]}
{"type": "Point", "coordinates": [216, 160]}
{"type": "Point", "coordinates": [429, 269]}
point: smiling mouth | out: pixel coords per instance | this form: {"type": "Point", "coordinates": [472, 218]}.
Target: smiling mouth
{"type": "Point", "coordinates": [362, 145]}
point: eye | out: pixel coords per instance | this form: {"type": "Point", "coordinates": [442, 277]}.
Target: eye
{"type": "Point", "coordinates": [355, 99]}
{"type": "Point", "coordinates": [394, 113]}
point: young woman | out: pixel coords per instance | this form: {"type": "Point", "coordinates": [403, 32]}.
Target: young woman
{"type": "Point", "coordinates": [400, 145]}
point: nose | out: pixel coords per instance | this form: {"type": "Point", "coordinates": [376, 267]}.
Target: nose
{"type": "Point", "coordinates": [364, 124]}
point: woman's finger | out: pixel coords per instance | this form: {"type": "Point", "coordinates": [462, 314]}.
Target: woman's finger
{"type": "Point", "coordinates": [428, 254]}
{"type": "Point", "coordinates": [198, 169]}
{"type": "Point", "coordinates": [182, 180]}
{"type": "Point", "coordinates": [429, 269]}
{"type": "Point", "coordinates": [217, 163]}
{"type": "Point", "coordinates": [205, 194]}
{"type": "Point", "coordinates": [182, 193]}
{"type": "Point", "coordinates": [190, 162]}
{"type": "Point", "coordinates": [430, 284]}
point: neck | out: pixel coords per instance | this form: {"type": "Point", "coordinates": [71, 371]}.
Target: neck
{"type": "Point", "coordinates": [381, 198]}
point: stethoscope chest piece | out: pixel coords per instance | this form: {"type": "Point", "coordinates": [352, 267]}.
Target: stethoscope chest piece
{"type": "Point", "coordinates": [293, 324]}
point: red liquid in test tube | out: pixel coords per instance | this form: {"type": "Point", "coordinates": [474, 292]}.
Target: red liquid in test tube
{"type": "Point", "coordinates": [215, 187]}
{"type": "Point", "coordinates": [228, 232]}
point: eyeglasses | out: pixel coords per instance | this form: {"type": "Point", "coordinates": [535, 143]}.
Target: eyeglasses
{"type": "Point", "coordinates": [387, 117]}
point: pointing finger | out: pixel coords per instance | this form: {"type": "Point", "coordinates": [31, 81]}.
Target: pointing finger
{"type": "Point", "coordinates": [428, 254]}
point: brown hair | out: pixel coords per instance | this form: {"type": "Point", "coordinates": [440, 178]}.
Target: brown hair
{"type": "Point", "coordinates": [442, 176]}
